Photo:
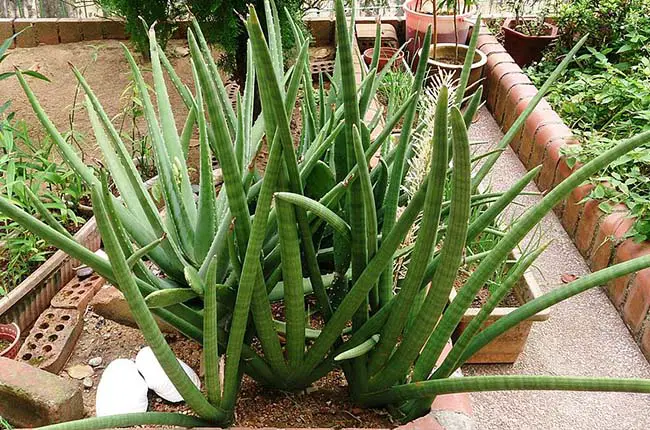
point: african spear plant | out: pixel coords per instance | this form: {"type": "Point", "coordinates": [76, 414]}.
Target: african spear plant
{"type": "Point", "coordinates": [317, 221]}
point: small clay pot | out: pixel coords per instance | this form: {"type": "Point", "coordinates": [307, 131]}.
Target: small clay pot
{"type": "Point", "coordinates": [385, 54]}
{"type": "Point", "coordinates": [10, 333]}
{"type": "Point", "coordinates": [526, 49]}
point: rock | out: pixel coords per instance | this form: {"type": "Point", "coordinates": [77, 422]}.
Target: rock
{"type": "Point", "coordinates": [95, 361]}
{"type": "Point", "coordinates": [80, 371]}
{"type": "Point", "coordinates": [109, 303]}
{"type": "Point", "coordinates": [30, 397]}
{"type": "Point", "coordinates": [181, 51]}
{"type": "Point", "coordinates": [88, 382]}
{"type": "Point", "coordinates": [84, 272]}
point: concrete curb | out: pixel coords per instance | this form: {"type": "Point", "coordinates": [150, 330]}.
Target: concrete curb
{"type": "Point", "coordinates": [600, 237]}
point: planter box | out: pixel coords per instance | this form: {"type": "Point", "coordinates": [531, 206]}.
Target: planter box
{"type": "Point", "coordinates": [507, 347]}
{"type": "Point", "coordinates": [30, 298]}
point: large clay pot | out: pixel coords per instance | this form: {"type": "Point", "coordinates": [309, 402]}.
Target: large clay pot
{"type": "Point", "coordinates": [526, 49]}
{"type": "Point", "coordinates": [10, 333]}
{"type": "Point", "coordinates": [448, 50]}
{"type": "Point", "coordinates": [418, 22]}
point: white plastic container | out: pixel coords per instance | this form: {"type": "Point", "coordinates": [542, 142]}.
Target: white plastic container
{"type": "Point", "coordinates": [121, 390]}
{"type": "Point", "coordinates": [157, 379]}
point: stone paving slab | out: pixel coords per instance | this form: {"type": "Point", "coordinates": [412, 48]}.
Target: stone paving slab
{"type": "Point", "coordinates": [30, 397]}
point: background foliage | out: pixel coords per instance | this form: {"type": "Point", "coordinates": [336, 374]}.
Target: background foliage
{"type": "Point", "coordinates": [219, 20]}
{"type": "Point", "coordinates": [605, 96]}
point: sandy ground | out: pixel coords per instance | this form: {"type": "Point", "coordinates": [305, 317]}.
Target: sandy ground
{"type": "Point", "coordinates": [106, 70]}
{"type": "Point", "coordinates": [584, 336]}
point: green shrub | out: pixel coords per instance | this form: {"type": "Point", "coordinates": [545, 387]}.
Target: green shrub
{"type": "Point", "coordinates": [605, 96]}
{"type": "Point", "coordinates": [219, 22]}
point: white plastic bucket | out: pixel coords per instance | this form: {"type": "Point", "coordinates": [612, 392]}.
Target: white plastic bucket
{"type": "Point", "coordinates": [417, 23]}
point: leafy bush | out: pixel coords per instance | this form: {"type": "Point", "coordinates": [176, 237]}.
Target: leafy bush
{"type": "Point", "coordinates": [219, 22]}
{"type": "Point", "coordinates": [272, 235]}
{"type": "Point", "coordinates": [605, 96]}
{"type": "Point", "coordinates": [163, 12]}
{"type": "Point", "coordinates": [26, 172]}
{"type": "Point", "coordinates": [607, 22]}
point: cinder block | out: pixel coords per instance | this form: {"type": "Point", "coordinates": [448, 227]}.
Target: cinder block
{"type": "Point", "coordinates": [47, 31]}
{"type": "Point", "coordinates": [26, 39]}
{"type": "Point", "coordinates": [70, 30]}
{"type": "Point", "coordinates": [91, 29]}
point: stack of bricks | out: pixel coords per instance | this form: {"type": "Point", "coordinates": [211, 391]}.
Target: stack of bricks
{"type": "Point", "coordinates": [599, 236]}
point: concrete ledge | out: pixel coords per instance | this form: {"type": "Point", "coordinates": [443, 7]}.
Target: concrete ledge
{"type": "Point", "coordinates": [599, 236]}
{"type": "Point", "coordinates": [30, 397]}
{"type": "Point", "coordinates": [52, 31]}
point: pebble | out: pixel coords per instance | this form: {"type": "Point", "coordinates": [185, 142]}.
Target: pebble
{"type": "Point", "coordinates": [88, 382]}
{"type": "Point", "coordinates": [84, 272]}
{"type": "Point", "coordinates": [80, 371]}
{"type": "Point", "coordinates": [96, 361]}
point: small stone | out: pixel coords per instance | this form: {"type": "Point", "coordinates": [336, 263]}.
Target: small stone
{"type": "Point", "coordinates": [96, 361]}
{"type": "Point", "coordinates": [84, 272]}
{"type": "Point", "coordinates": [80, 371]}
{"type": "Point", "coordinates": [88, 382]}
{"type": "Point", "coordinates": [181, 51]}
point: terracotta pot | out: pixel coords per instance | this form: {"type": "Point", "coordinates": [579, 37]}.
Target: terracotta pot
{"type": "Point", "coordinates": [506, 347]}
{"type": "Point", "coordinates": [523, 48]}
{"type": "Point", "coordinates": [443, 50]}
{"type": "Point", "coordinates": [385, 54]}
{"type": "Point", "coordinates": [417, 23]}
{"type": "Point", "coordinates": [10, 333]}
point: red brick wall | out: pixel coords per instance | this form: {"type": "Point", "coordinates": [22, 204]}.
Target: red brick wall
{"type": "Point", "coordinates": [598, 236]}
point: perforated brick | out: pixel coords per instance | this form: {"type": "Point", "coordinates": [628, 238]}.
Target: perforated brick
{"type": "Point", "coordinates": [77, 293]}
{"type": "Point", "coordinates": [232, 89]}
{"type": "Point", "coordinates": [50, 342]}
{"type": "Point", "coordinates": [325, 66]}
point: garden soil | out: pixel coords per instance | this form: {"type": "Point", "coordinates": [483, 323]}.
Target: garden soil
{"type": "Point", "coordinates": [326, 405]}
{"type": "Point", "coordinates": [105, 68]}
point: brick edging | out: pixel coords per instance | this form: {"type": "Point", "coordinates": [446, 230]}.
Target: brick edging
{"type": "Point", "coordinates": [600, 237]}
{"type": "Point", "coordinates": [52, 31]}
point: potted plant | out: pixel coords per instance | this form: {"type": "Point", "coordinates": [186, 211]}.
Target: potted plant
{"type": "Point", "coordinates": [9, 337]}
{"type": "Point", "coordinates": [222, 259]}
{"type": "Point", "coordinates": [448, 51]}
{"type": "Point", "coordinates": [449, 20]}
{"type": "Point", "coordinates": [526, 36]}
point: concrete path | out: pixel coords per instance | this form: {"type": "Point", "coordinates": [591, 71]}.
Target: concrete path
{"type": "Point", "coordinates": [584, 336]}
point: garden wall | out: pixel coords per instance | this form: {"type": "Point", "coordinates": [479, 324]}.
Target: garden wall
{"type": "Point", "coordinates": [599, 236]}
{"type": "Point", "coordinates": [52, 31]}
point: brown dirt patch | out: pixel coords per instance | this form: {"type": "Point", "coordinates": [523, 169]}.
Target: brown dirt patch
{"type": "Point", "coordinates": [108, 76]}
{"type": "Point", "coordinates": [326, 405]}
